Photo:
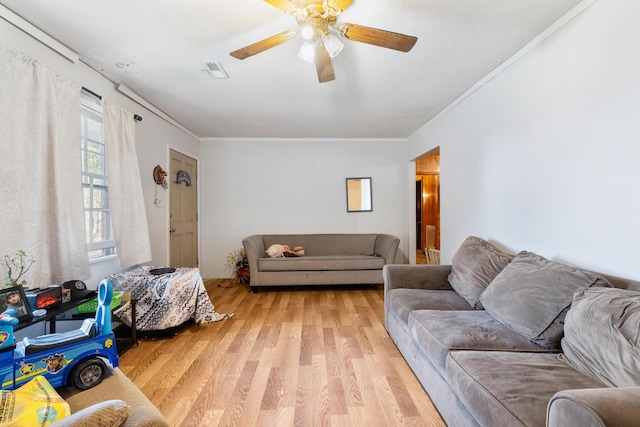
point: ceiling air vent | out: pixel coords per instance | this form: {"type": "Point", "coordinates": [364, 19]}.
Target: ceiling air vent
{"type": "Point", "coordinates": [216, 70]}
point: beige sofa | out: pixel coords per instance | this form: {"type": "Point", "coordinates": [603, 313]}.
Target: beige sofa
{"type": "Point", "coordinates": [330, 259]}
{"type": "Point", "coordinates": [115, 386]}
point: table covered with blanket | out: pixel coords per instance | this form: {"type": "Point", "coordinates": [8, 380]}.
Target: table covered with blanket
{"type": "Point", "coordinates": [165, 300]}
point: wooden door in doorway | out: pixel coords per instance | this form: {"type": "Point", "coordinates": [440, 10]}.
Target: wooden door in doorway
{"type": "Point", "coordinates": [429, 222]}
{"type": "Point", "coordinates": [428, 201]}
{"type": "Point", "coordinates": [183, 229]}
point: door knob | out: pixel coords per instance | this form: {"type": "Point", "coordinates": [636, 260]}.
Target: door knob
{"type": "Point", "coordinates": [172, 230]}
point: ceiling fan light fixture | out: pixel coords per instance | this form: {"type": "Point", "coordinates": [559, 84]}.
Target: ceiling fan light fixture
{"type": "Point", "coordinates": [308, 51]}
{"type": "Point", "coordinates": [317, 20]}
{"type": "Point", "coordinates": [333, 44]}
{"type": "Point", "coordinates": [308, 32]}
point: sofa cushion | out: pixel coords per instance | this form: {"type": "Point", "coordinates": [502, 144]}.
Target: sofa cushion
{"type": "Point", "coordinates": [110, 413]}
{"type": "Point", "coordinates": [322, 263]}
{"type": "Point", "coordinates": [475, 264]}
{"type": "Point", "coordinates": [510, 388]}
{"type": "Point", "coordinates": [403, 301]}
{"type": "Point", "coordinates": [602, 335]}
{"type": "Point", "coordinates": [532, 295]}
{"type": "Point", "coordinates": [438, 332]}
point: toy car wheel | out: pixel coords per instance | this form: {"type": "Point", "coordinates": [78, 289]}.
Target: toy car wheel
{"type": "Point", "coordinates": [89, 373]}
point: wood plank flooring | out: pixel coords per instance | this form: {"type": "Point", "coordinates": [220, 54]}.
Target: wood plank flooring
{"type": "Point", "coordinates": [289, 357]}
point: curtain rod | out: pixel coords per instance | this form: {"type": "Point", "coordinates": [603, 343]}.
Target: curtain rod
{"type": "Point", "coordinates": [136, 117]}
{"type": "Point", "coordinates": [150, 107]}
{"type": "Point", "coordinates": [92, 93]}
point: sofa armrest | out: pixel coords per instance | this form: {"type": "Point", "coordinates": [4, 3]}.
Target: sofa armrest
{"type": "Point", "coordinates": [612, 406]}
{"type": "Point", "coordinates": [387, 246]}
{"type": "Point", "coordinates": [254, 248]}
{"type": "Point", "coordinates": [416, 276]}
{"type": "Point", "coordinates": [116, 385]}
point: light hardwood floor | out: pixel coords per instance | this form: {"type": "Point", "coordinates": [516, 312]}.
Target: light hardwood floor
{"type": "Point", "coordinates": [289, 357]}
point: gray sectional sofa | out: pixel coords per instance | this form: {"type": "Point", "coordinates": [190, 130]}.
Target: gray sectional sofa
{"type": "Point", "coordinates": [329, 259]}
{"type": "Point", "coordinates": [518, 340]}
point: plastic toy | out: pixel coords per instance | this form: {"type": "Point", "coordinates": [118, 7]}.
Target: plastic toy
{"type": "Point", "coordinates": [75, 357]}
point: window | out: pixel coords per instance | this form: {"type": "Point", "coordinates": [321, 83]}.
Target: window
{"type": "Point", "coordinates": [99, 238]}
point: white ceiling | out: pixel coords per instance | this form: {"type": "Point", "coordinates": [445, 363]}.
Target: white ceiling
{"type": "Point", "coordinates": [158, 49]}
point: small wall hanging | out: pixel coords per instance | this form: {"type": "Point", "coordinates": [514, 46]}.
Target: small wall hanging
{"type": "Point", "coordinates": [159, 176]}
{"type": "Point", "coordinates": [183, 176]}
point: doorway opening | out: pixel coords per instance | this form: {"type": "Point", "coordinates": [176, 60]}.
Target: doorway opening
{"type": "Point", "coordinates": [428, 208]}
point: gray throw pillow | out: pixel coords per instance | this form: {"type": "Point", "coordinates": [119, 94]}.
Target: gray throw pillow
{"type": "Point", "coordinates": [475, 264]}
{"type": "Point", "coordinates": [532, 295]}
{"type": "Point", "coordinates": [601, 336]}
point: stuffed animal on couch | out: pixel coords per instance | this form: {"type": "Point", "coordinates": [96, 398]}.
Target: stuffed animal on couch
{"type": "Point", "coordinates": [276, 250]}
{"type": "Point", "coordinates": [279, 251]}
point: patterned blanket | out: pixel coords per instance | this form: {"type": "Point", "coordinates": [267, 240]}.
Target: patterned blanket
{"type": "Point", "coordinates": [167, 300]}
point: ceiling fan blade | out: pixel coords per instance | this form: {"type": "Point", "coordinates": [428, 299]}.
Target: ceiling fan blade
{"type": "Point", "coordinates": [324, 65]}
{"type": "Point", "coordinates": [284, 5]}
{"type": "Point", "coordinates": [263, 45]}
{"type": "Point", "coordinates": [375, 36]}
{"type": "Point", "coordinates": [339, 5]}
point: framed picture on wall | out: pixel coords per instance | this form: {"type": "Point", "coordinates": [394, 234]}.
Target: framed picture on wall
{"type": "Point", "coordinates": [15, 298]}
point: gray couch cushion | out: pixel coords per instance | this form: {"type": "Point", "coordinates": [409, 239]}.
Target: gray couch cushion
{"type": "Point", "coordinates": [510, 388]}
{"type": "Point", "coordinates": [475, 264]}
{"type": "Point", "coordinates": [602, 335]}
{"type": "Point", "coordinates": [532, 295]}
{"type": "Point", "coordinates": [403, 301]}
{"type": "Point", "coordinates": [438, 332]}
{"type": "Point", "coordinates": [322, 263]}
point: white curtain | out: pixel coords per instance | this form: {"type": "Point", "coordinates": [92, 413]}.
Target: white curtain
{"type": "Point", "coordinates": [126, 202]}
{"type": "Point", "coordinates": [41, 206]}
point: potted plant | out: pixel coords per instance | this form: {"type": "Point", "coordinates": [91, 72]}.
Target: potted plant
{"type": "Point", "coordinates": [240, 266]}
{"type": "Point", "coordinates": [17, 266]}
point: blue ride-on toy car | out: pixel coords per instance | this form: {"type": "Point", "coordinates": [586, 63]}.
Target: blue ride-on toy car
{"type": "Point", "coordinates": [75, 357]}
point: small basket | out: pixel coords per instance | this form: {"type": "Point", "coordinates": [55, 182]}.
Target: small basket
{"type": "Point", "coordinates": [92, 306]}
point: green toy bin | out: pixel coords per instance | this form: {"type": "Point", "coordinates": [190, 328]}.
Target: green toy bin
{"type": "Point", "coordinates": [91, 306]}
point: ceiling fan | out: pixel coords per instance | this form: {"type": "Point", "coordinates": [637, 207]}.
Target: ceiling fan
{"type": "Point", "coordinates": [317, 19]}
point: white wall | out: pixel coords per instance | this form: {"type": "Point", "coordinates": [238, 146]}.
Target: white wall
{"type": "Point", "coordinates": [293, 186]}
{"type": "Point", "coordinates": [544, 157]}
{"type": "Point", "coordinates": [153, 137]}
